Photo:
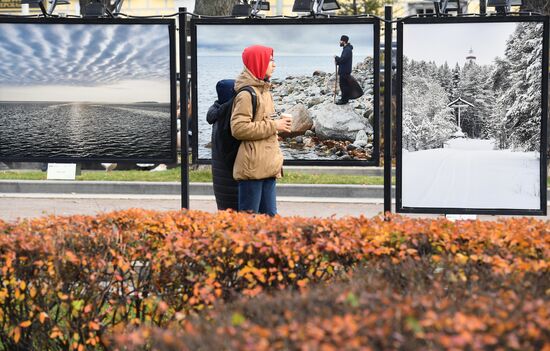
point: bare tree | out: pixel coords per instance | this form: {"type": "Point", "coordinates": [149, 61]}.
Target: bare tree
{"type": "Point", "coordinates": [362, 7]}
{"type": "Point", "coordinates": [541, 6]}
{"type": "Point", "coordinates": [214, 7]}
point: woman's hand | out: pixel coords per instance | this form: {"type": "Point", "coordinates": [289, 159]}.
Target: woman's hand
{"type": "Point", "coordinates": [283, 124]}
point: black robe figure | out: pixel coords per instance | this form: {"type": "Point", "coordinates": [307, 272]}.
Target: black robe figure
{"type": "Point", "coordinates": [349, 87]}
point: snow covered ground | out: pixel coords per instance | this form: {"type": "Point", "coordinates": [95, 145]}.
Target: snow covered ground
{"type": "Point", "coordinates": [468, 173]}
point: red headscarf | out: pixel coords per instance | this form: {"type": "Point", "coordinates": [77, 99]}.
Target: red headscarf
{"type": "Point", "coordinates": [256, 59]}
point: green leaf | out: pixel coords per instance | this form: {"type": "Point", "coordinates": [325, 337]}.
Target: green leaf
{"type": "Point", "coordinates": [413, 324]}
{"type": "Point", "coordinates": [352, 300]}
{"type": "Point", "coordinates": [77, 305]}
{"type": "Point", "coordinates": [237, 319]}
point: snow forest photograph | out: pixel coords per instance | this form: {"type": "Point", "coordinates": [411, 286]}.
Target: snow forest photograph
{"type": "Point", "coordinates": [304, 84]}
{"type": "Point", "coordinates": [471, 115]}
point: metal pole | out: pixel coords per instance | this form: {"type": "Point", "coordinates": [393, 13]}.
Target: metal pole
{"type": "Point", "coordinates": [387, 106]}
{"type": "Point", "coordinates": [279, 7]}
{"type": "Point", "coordinates": [256, 7]}
{"type": "Point", "coordinates": [183, 108]}
{"type": "Point", "coordinates": [335, 81]}
{"type": "Point", "coordinates": [483, 7]}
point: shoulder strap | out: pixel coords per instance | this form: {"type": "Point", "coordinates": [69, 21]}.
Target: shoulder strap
{"type": "Point", "coordinates": [254, 97]}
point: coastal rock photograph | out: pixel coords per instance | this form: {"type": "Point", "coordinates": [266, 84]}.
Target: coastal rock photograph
{"type": "Point", "coordinates": [305, 84]}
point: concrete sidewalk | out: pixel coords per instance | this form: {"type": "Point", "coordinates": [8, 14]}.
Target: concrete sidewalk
{"type": "Point", "coordinates": [14, 206]}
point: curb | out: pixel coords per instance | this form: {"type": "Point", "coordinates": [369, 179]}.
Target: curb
{"type": "Point", "coordinates": [342, 191]}
{"type": "Point", "coordinates": [174, 188]}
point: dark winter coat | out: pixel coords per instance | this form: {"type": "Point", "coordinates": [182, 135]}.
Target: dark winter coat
{"type": "Point", "coordinates": [225, 187]}
{"type": "Point", "coordinates": [345, 61]}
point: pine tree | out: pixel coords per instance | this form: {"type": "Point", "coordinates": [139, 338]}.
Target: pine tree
{"type": "Point", "coordinates": [445, 78]}
{"type": "Point", "coordinates": [475, 87]}
{"type": "Point", "coordinates": [523, 99]}
{"type": "Point", "coordinates": [455, 91]}
{"type": "Point", "coordinates": [427, 120]}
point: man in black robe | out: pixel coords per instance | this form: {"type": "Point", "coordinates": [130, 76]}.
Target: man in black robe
{"type": "Point", "coordinates": [349, 87]}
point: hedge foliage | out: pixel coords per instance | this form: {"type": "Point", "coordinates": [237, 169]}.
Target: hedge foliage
{"type": "Point", "coordinates": [74, 282]}
{"type": "Point", "coordinates": [377, 307]}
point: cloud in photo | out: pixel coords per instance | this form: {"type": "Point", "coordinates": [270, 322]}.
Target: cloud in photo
{"type": "Point", "coordinates": [68, 58]}
{"type": "Point", "coordinates": [451, 42]}
{"type": "Point", "coordinates": [286, 40]}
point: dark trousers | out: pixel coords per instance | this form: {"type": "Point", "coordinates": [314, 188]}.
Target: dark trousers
{"type": "Point", "coordinates": [258, 196]}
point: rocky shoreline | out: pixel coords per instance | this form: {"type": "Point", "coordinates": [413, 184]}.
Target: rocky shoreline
{"type": "Point", "coordinates": [320, 127]}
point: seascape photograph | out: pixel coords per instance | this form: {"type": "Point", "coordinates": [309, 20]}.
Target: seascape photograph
{"type": "Point", "coordinates": [472, 115]}
{"type": "Point", "coordinates": [85, 91]}
{"type": "Point", "coordinates": [303, 85]}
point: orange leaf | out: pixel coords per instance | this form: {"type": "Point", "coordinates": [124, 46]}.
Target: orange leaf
{"type": "Point", "coordinates": [62, 296]}
{"type": "Point", "coordinates": [42, 317]}
{"type": "Point", "coordinates": [16, 334]}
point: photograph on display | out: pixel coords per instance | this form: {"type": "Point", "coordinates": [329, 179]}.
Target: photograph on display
{"type": "Point", "coordinates": [86, 91]}
{"type": "Point", "coordinates": [303, 84]}
{"type": "Point", "coordinates": [472, 115]}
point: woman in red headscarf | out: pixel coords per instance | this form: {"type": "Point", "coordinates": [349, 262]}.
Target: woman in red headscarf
{"type": "Point", "coordinates": [259, 160]}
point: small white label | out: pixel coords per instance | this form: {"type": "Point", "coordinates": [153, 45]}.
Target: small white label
{"type": "Point", "coordinates": [454, 218]}
{"type": "Point", "coordinates": [61, 171]}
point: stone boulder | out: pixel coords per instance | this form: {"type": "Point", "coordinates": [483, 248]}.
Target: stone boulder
{"type": "Point", "coordinates": [338, 122]}
{"type": "Point", "coordinates": [301, 120]}
{"type": "Point", "coordinates": [361, 139]}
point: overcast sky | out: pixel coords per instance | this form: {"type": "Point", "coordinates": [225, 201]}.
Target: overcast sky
{"type": "Point", "coordinates": [297, 40]}
{"type": "Point", "coordinates": [72, 62]}
{"type": "Point", "coordinates": [451, 42]}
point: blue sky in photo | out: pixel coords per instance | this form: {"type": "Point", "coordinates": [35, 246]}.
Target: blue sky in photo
{"type": "Point", "coordinates": [286, 40]}
{"type": "Point", "coordinates": [75, 62]}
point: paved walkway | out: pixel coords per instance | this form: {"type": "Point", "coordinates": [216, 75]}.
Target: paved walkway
{"type": "Point", "coordinates": [14, 206]}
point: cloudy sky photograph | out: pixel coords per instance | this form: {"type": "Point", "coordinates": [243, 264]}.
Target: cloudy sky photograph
{"type": "Point", "coordinates": [286, 40]}
{"type": "Point", "coordinates": [451, 42]}
{"type": "Point", "coordinates": [113, 63]}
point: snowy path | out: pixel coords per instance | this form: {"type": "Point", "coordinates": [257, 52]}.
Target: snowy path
{"type": "Point", "coordinates": [470, 174]}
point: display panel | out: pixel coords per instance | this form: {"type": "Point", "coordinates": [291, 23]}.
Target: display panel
{"type": "Point", "coordinates": [87, 90]}
{"type": "Point", "coordinates": [472, 109]}
{"type": "Point", "coordinates": [304, 84]}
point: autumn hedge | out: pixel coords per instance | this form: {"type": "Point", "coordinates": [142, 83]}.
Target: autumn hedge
{"type": "Point", "coordinates": [74, 282]}
{"type": "Point", "coordinates": [411, 305]}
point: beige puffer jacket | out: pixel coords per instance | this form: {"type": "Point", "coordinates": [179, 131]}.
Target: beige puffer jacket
{"type": "Point", "coordinates": [259, 155]}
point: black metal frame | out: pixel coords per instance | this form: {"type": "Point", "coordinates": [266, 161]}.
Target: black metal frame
{"type": "Point", "coordinates": [170, 24]}
{"type": "Point", "coordinates": [182, 19]}
{"type": "Point", "coordinates": [300, 21]}
{"type": "Point", "coordinates": [388, 89]}
{"type": "Point", "coordinates": [543, 147]}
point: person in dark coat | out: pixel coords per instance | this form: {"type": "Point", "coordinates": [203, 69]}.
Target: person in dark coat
{"type": "Point", "coordinates": [349, 87]}
{"type": "Point", "coordinates": [225, 187]}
